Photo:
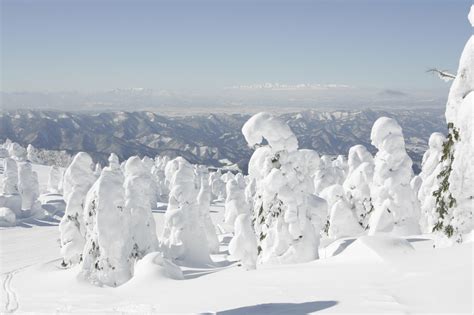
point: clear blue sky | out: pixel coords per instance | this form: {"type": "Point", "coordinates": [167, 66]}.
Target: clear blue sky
{"type": "Point", "coordinates": [92, 45]}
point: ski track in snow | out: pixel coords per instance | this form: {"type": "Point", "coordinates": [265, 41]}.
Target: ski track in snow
{"type": "Point", "coordinates": [10, 301]}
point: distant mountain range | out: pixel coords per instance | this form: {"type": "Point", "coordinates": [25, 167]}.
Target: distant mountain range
{"type": "Point", "coordinates": [212, 139]}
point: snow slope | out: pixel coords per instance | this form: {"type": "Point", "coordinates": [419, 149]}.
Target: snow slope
{"type": "Point", "coordinates": [420, 279]}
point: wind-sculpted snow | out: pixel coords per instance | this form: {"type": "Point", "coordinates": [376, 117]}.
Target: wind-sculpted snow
{"type": "Point", "coordinates": [265, 126]}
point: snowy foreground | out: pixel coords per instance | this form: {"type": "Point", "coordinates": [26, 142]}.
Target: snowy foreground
{"type": "Point", "coordinates": [374, 274]}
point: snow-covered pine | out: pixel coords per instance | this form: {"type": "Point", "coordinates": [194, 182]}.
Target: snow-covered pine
{"type": "Point", "coordinates": [358, 181]}
{"type": "Point", "coordinates": [395, 205]}
{"type": "Point", "coordinates": [114, 162]}
{"type": "Point", "coordinates": [204, 204]}
{"type": "Point", "coordinates": [10, 177]}
{"type": "Point", "coordinates": [329, 173]}
{"type": "Point", "coordinates": [286, 220]}
{"type": "Point", "coordinates": [184, 237]}
{"type": "Point", "coordinates": [78, 178]}
{"type": "Point", "coordinates": [343, 221]}
{"type": "Point", "coordinates": [142, 223]}
{"type": "Point", "coordinates": [227, 176]}
{"type": "Point", "coordinates": [107, 251]}
{"type": "Point", "coordinates": [54, 179]}
{"type": "Point", "coordinates": [218, 186]}
{"type": "Point", "coordinates": [17, 152]}
{"type": "Point", "coordinates": [250, 190]}
{"type": "Point", "coordinates": [454, 196]}
{"type": "Point", "coordinates": [430, 168]}
{"type": "Point", "coordinates": [28, 186]}
{"type": "Point", "coordinates": [97, 169]}
{"type": "Point", "coordinates": [32, 154]}
{"type": "Point", "coordinates": [243, 245]}
{"type": "Point", "coordinates": [235, 202]}
{"type": "Point", "coordinates": [152, 190]}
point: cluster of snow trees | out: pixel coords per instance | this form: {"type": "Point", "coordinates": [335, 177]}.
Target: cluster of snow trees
{"type": "Point", "coordinates": [19, 186]}
{"type": "Point", "coordinates": [34, 155]}
{"type": "Point", "coordinates": [108, 225]}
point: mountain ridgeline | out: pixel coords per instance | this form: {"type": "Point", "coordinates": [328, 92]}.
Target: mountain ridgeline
{"type": "Point", "coordinates": [212, 139]}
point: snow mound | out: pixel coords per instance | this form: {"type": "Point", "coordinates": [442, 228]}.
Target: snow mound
{"type": "Point", "coordinates": [379, 248]}
{"type": "Point", "coordinates": [7, 217]}
{"type": "Point", "coordinates": [154, 266]}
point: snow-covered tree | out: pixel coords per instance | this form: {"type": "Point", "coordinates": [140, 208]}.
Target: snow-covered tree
{"type": "Point", "coordinates": [28, 185]}
{"type": "Point", "coordinates": [4, 153]}
{"type": "Point", "coordinates": [204, 204]}
{"type": "Point", "coordinates": [32, 154]}
{"type": "Point", "coordinates": [343, 221]}
{"type": "Point", "coordinates": [158, 173]}
{"type": "Point", "coordinates": [287, 217]}
{"type": "Point", "coordinates": [143, 229]}
{"type": "Point", "coordinates": [109, 242]}
{"type": "Point", "coordinates": [227, 177]}
{"type": "Point", "coordinates": [250, 190]}
{"type": "Point", "coordinates": [218, 187]}
{"type": "Point", "coordinates": [78, 178]}
{"type": "Point", "coordinates": [243, 245]}
{"type": "Point", "coordinates": [114, 162]}
{"type": "Point", "coordinates": [17, 152]}
{"type": "Point", "coordinates": [431, 167]}
{"type": "Point", "coordinates": [235, 202]}
{"type": "Point", "coordinates": [54, 179]}
{"type": "Point", "coordinates": [184, 237]}
{"type": "Point", "coordinates": [10, 177]}
{"type": "Point", "coordinates": [328, 173]}
{"type": "Point", "coordinates": [415, 184]}
{"type": "Point", "coordinates": [454, 197]}
{"type": "Point", "coordinates": [358, 181]}
{"type": "Point", "coordinates": [395, 205]}
{"type": "Point", "coordinates": [97, 169]}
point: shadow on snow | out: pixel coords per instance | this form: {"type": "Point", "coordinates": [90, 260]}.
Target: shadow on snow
{"type": "Point", "coordinates": [281, 308]}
